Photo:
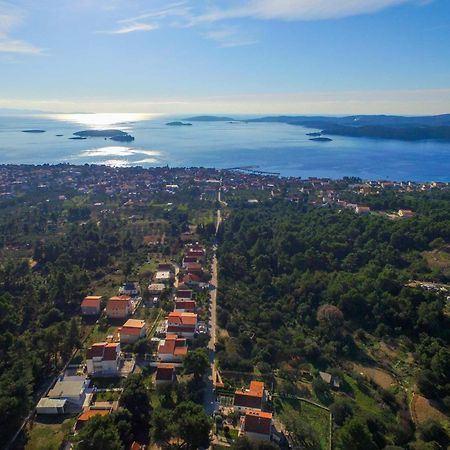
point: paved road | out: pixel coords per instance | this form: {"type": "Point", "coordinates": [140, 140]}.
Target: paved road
{"type": "Point", "coordinates": [210, 397]}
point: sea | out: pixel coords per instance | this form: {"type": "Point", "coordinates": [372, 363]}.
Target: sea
{"type": "Point", "coordinates": [270, 147]}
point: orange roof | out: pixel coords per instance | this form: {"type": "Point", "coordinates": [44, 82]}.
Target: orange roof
{"type": "Point", "coordinates": [93, 412]}
{"type": "Point", "coordinates": [182, 318]}
{"type": "Point", "coordinates": [91, 301]}
{"type": "Point", "coordinates": [173, 345]}
{"type": "Point", "coordinates": [257, 388]}
{"type": "Point", "coordinates": [258, 422]}
{"type": "Point", "coordinates": [134, 323]}
{"type": "Point", "coordinates": [262, 414]}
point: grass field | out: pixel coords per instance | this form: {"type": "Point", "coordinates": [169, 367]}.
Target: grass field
{"type": "Point", "coordinates": [439, 260]}
{"type": "Point", "coordinates": [317, 418]}
{"type": "Point", "coordinates": [49, 434]}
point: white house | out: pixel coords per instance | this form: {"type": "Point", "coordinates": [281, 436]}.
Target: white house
{"type": "Point", "coordinates": [132, 331]}
{"type": "Point", "coordinates": [73, 389]}
{"type": "Point", "coordinates": [172, 349]}
{"type": "Point", "coordinates": [103, 359]}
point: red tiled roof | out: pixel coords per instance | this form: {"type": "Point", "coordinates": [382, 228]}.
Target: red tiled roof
{"type": "Point", "coordinates": [106, 351]}
{"type": "Point", "coordinates": [96, 350]}
{"type": "Point", "coordinates": [258, 422]}
{"type": "Point", "coordinates": [110, 353]}
{"type": "Point", "coordinates": [191, 277]}
{"type": "Point", "coordinates": [184, 294]}
{"type": "Point", "coordinates": [182, 318]}
{"type": "Point", "coordinates": [171, 344]}
{"type": "Point", "coordinates": [91, 301]}
{"type": "Point", "coordinates": [86, 415]}
{"type": "Point", "coordinates": [250, 398]}
{"type": "Point", "coordinates": [185, 304]}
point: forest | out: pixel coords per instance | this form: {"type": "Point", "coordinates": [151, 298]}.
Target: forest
{"type": "Point", "coordinates": [304, 288]}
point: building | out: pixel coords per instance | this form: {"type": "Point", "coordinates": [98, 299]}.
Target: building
{"type": "Point", "coordinates": [249, 399]}
{"type": "Point", "coordinates": [362, 209]}
{"type": "Point", "coordinates": [172, 349]}
{"type": "Point", "coordinates": [194, 268]}
{"type": "Point", "coordinates": [182, 324]}
{"type": "Point", "coordinates": [119, 307]}
{"type": "Point", "coordinates": [132, 331]}
{"type": "Point", "coordinates": [189, 259]}
{"type": "Point", "coordinates": [163, 276]}
{"type": "Point", "coordinates": [130, 288]}
{"type": "Point", "coordinates": [192, 280]}
{"type": "Point", "coordinates": [166, 267]}
{"type": "Point", "coordinates": [156, 288]}
{"type": "Point", "coordinates": [165, 374]}
{"type": "Point", "coordinates": [183, 294]}
{"type": "Point", "coordinates": [73, 389]}
{"type": "Point", "coordinates": [405, 213]}
{"type": "Point", "coordinates": [103, 359]}
{"type": "Point", "coordinates": [330, 379]}
{"type": "Point", "coordinates": [51, 406]}
{"type": "Point", "coordinates": [87, 415]}
{"type": "Point", "coordinates": [90, 306]}
{"type": "Point", "coordinates": [256, 425]}
{"type": "Point", "coordinates": [185, 305]}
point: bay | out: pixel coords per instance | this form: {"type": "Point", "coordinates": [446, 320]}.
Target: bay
{"type": "Point", "coordinates": [272, 147]}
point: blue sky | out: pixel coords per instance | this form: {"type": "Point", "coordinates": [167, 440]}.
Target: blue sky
{"type": "Point", "coordinates": [247, 56]}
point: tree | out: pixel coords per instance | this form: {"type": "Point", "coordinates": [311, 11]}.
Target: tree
{"type": "Point", "coordinates": [135, 398]}
{"type": "Point", "coordinates": [330, 319]}
{"type": "Point", "coordinates": [187, 424]}
{"type": "Point", "coordinates": [196, 362]}
{"type": "Point", "coordinates": [432, 431]}
{"type": "Point", "coordinates": [355, 435]}
{"type": "Point", "coordinates": [99, 433]}
{"type": "Point", "coordinates": [341, 409]}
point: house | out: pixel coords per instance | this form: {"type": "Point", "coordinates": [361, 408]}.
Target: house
{"type": "Point", "coordinates": [192, 280]}
{"type": "Point", "coordinates": [360, 209]}
{"type": "Point", "coordinates": [103, 359]}
{"type": "Point", "coordinates": [330, 379]}
{"type": "Point", "coordinates": [165, 374]}
{"type": "Point", "coordinates": [119, 307]}
{"type": "Point", "coordinates": [130, 288]}
{"type": "Point", "coordinates": [249, 399]}
{"type": "Point", "coordinates": [194, 267]}
{"type": "Point", "coordinates": [197, 252]}
{"type": "Point", "coordinates": [90, 306]}
{"type": "Point", "coordinates": [166, 267]}
{"type": "Point", "coordinates": [182, 324]}
{"type": "Point", "coordinates": [87, 415]}
{"type": "Point", "coordinates": [51, 406]}
{"type": "Point", "coordinates": [172, 349]}
{"type": "Point", "coordinates": [73, 389]}
{"type": "Point", "coordinates": [185, 305]}
{"type": "Point", "coordinates": [256, 425]}
{"type": "Point", "coordinates": [163, 276]}
{"type": "Point", "coordinates": [156, 288]}
{"type": "Point", "coordinates": [406, 213]}
{"type": "Point", "coordinates": [183, 294]}
{"type": "Point", "coordinates": [189, 259]}
{"type": "Point", "coordinates": [132, 331]}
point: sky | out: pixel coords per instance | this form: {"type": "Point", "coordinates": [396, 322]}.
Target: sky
{"type": "Point", "coordinates": [233, 56]}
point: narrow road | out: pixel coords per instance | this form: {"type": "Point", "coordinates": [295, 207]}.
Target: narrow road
{"type": "Point", "coordinates": [210, 396]}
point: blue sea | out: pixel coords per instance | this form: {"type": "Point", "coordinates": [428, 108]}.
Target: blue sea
{"type": "Point", "coordinates": [281, 148]}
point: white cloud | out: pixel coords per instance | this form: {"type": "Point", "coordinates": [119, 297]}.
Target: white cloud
{"type": "Point", "coordinates": [10, 18]}
{"type": "Point", "coordinates": [18, 46]}
{"type": "Point", "coordinates": [133, 27]}
{"type": "Point", "coordinates": [290, 10]}
{"type": "Point", "coordinates": [230, 37]}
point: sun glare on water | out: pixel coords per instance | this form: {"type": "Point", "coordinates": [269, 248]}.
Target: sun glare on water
{"type": "Point", "coordinates": [103, 120]}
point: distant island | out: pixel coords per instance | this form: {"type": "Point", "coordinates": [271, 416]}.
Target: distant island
{"type": "Point", "coordinates": [403, 128]}
{"type": "Point", "coordinates": [179, 124]}
{"type": "Point", "coordinates": [78, 138]}
{"type": "Point", "coordinates": [33, 131]}
{"type": "Point", "coordinates": [114, 135]}
{"type": "Point", "coordinates": [321, 139]}
{"type": "Point", "coordinates": [315, 134]}
{"type": "Point", "coordinates": [209, 119]}
{"type": "Point", "coordinates": [59, 135]}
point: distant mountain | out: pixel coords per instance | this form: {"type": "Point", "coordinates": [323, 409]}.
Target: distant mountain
{"type": "Point", "coordinates": [209, 119]}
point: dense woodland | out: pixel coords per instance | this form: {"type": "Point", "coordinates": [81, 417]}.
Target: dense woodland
{"type": "Point", "coordinates": [303, 287]}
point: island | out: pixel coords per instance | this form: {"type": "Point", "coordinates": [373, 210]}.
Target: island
{"type": "Point", "coordinates": [179, 124]}
{"type": "Point", "coordinates": [33, 131]}
{"type": "Point", "coordinates": [59, 135]}
{"type": "Point", "coordinates": [114, 135]}
{"type": "Point", "coordinates": [315, 134]}
{"type": "Point", "coordinates": [321, 139]}
{"type": "Point", "coordinates": [78, 138]}
{"type": "Point", "coordinates": [209, 119]}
